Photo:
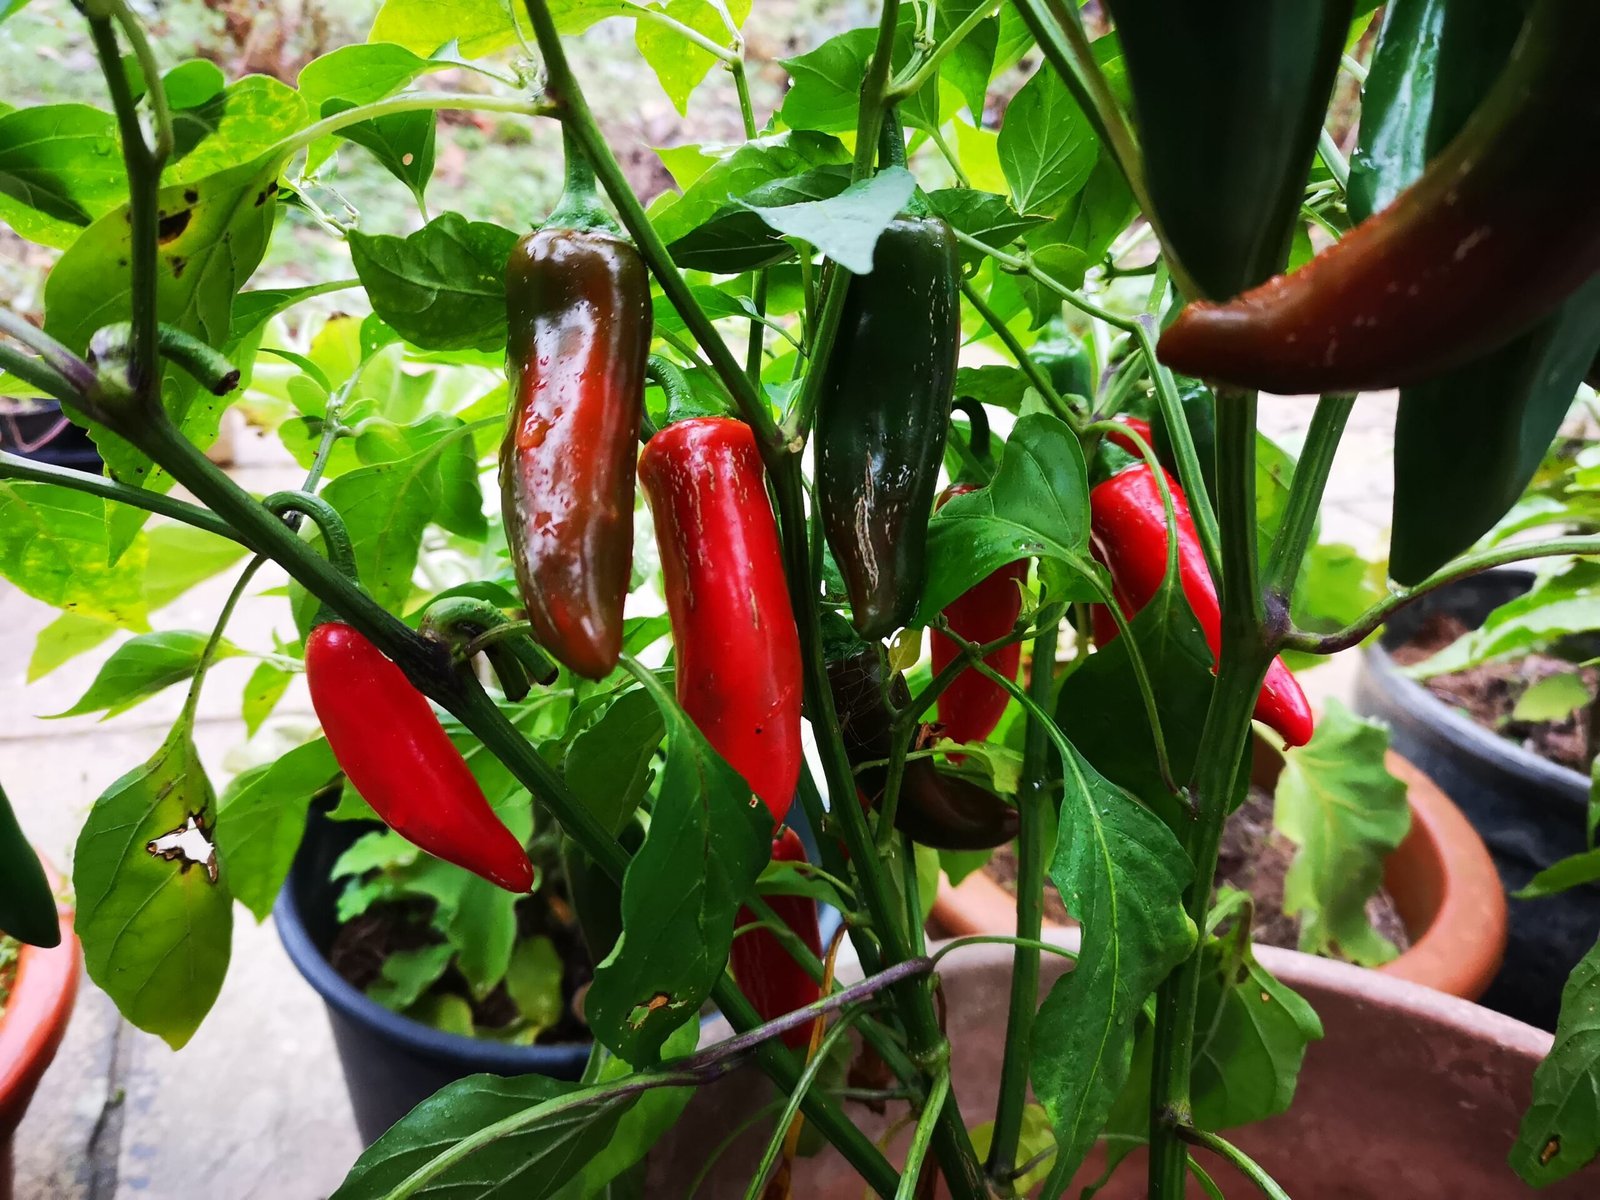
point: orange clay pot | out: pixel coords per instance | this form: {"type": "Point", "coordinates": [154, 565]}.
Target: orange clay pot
{"type": "Point", "coordinates": [32, 1025]}
{"type": "Point", "coordinates": [1441, 878]}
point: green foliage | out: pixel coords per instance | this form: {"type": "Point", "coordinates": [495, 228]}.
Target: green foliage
{"type": "Point", "coordinates": [1560, 1132]}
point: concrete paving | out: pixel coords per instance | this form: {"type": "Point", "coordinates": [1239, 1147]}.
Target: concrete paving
{"type": "Point", "coordinates": [254, 1106]}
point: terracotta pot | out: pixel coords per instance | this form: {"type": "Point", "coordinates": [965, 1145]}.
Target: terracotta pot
{"type": "Point", "coordinates": [1441, 877]}
{"type": "Point", "coordinates": [1411, 1093]}
{"type": "Point", "coordinates": [31, 1028]}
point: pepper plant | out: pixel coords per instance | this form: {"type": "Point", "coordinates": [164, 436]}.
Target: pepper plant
{"type": "Point", "coordinates": [852, 245]}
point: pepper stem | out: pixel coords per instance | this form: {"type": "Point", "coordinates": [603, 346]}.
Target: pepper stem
{"type": "Point", "coordinates": [892, 153]}
{"type": "Point", "coordinates": [978, 440]}
{"type": "Point", "coordinates": [579, 206]}
{"type": "Point", "coordinates": [341, 553]}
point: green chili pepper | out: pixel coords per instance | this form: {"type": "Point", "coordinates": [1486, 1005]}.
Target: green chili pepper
{"type": "Point", "coordinates": [27, 907]}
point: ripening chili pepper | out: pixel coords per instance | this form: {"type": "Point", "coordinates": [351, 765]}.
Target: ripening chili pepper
{"type": "Point", "coordinates": [1500, 229]}
{"type": "Point", "coordinates": [1229, 101]}
{"type": "Point", "coordinates": [27, 906]}
{"type": "Point", "coordinates": [972, 705]}
{"type": "Point", "coordinates": [1466, 442]}
{"type": "Point", "coordinates": [762, 966]}
{"type": "Point", "coordinates": [399, 758]}
{"type": "Point", "coordinates": [939, 810]}
{"type": "Point", "coordinates": [1128, 526]}
{"type": "Point", "coordinates": [578, 306]}
{"type": "Point", "coordinates": [737, 651]}
{"type": "Point", "coordinates": [882, 417]}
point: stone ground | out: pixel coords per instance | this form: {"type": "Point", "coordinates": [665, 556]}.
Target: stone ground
{"type": "Point", "coordinates": [254, 1106]}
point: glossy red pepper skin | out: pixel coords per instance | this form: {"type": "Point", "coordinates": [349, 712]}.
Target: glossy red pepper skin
{"type": "Point", "coordinates": [1501, 228]}
{"type": "Point", "coordinates": [738, 653]}
{"type": "Point", "coordinates": [1128, 528]}
{"type": "Point", "coordinates": [1140, 426]}
{"type": "Point", "coordinates": [764, 970]}
{"type": "Point", "coordinates": [578, 303]}
{"type": "Point", "coordinates": [971, 706]}
{"type": "Point", "coordinates": [390, 744]}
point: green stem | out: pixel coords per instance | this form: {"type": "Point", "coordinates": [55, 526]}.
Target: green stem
{"type": "Point", "coordinates": [1036, 376]}
{"type": "Point", "coordinates": [63, 365]}
{"type": "Point", "coordinates": [1219, 774]}
{"type": "Point", "coordinates": [1237, 1159]}
{"type": "Point", "coordinates": [1468, 564]}
{"type": "Point", "coordinates": [404, 103]}
{"type": "Point", "coordinates": [14, 467]}
{"type": "Point", "coordinates": [1300, 513]}
{"type": "Point", "coordinates": [825, 330]}
{"type": "Point", "coordinates": [1033, 802]}
{"type": "Point", "coordinates": [37, 373]}
{"type": "Point", "coordinates": [909, 85]}
{"type": "Point", "coordinates": [922, 1136]}
{"type": "Point", "coordinates": [192, 701]}
{"type": "Point", "coordinates": [1190, 476]}
{"type": "Point", "coordinates": [656, 17]}
{"type": "Point", "coordinates": [1328, 151]}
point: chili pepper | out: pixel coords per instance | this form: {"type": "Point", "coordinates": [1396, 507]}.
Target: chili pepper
{"type": "Point", "coordinates": [1128, 526]}
{"type": "Point", "coordinates": [27, 907]}
{"type": "Point", "coordinates": [1229, 100]}
{"type": "Point", "coordinates": [738, 653]}
{"type": "Point", "coordinates": [1466, 442]}
{"type": "Point", "coordinates": [1138, 425]}
{"type": "Point", "coordinates": [578, 306]}
{"type": "Point", "coordinates": [882, 417]}
{"type": "Point", "coordinates": [972, 705]}
{"type": "Point", "coordinates": [762, 966]}
{"type": "Point", "coordinates": [939, 810]}
{"type": "Point", "coordinates": [387, 740]}
{"type": "Point", "coordinates": [1501, 228]}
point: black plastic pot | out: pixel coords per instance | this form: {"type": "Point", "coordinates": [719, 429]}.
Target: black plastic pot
{"type": "Point", "coordinates": [391, 1063]}
{"type": "Point", "coordinates": [41, 433]}
{"type": "Point", "coordinates": [1529, 811]}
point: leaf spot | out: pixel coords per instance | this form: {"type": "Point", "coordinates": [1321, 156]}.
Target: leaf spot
{"type": "Point", "coordinates": [170, 227]}
{"type": "Point", "coordinates": [188, 845]}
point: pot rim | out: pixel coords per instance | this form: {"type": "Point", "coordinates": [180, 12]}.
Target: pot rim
{"type": "Point", "coordinates": [1469, 914]}
{"type": "Point", "coordinates": [36, 1015]}
{"type": "Point", "coordinates": [1465, 735]}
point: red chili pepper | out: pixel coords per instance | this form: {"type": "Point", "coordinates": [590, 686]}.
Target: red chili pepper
{"type": "Point", "coordinates": [765, 971]}
{"type": "Point", "coordinates": [738, 654]}
{"type": "Point", "coordinates": [1140, 426]}
{"type": "Point", "coordinates": [1129, 528]}
{"type": "Point", "coordinates": [971, 706]}
{"type": "Point", "coordinates": [579, 308]}
{"type": "Point", "coordinates": [388, 741]}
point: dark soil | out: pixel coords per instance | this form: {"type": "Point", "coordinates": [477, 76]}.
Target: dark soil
{"type": "Point", "coordinates": [388, 927]}
{"type": "Point", "coordinates": [1488, 694]}
{"type": "Point", "coordinates": [1254, 858]}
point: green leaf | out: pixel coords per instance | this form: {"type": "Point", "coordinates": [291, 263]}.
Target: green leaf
{"type": "Point", "coordinates": [401, 142]}
{"type": "Point", "coordinates": [1047, 146]}
{"type": "Point", "coordinates": [967, 68]}
{"type": "Point", "coordinates": [1337, 801]}
{"type": "Point", "coordinates": [154, 910]}
{"type": "Point", "coordinates": [60, 170]}
{"type": "Point", "coordinates": [1034, 1141]}
{"type": "Point", "coordinates": [362, 74]}
{"type": "Point", "coordinates": [1560, 1132]}
{"type": "Point", "coordinates": [1573, 871]}
{"type": "Point", "coordinates": [261, 817]}
{"type": "Point", "coordinates": [530, 1162]}
{"type": "Point", "coordinates": [533, 980]}
{"type": "Point", "coordinates": [482, 928]}
{"type": "Point", "coordinates": [55, 546]}
{"type": "Point", "coordinates": [262, 691]}
{"type": "Point", "coordinates": [446, 1012]}
{"type": "Point", "coordinates": [233, 128]}
{"type": "Point", "coordinates": [993, 383]}
{"type": "Point", "coordinates": [679, 64]}
{"type": "Point", "coordinates": [190, 84]}
{"type": "Point", "coordinates": [671, 955]}
{"type": "Point", "coordinates": [1036, 507]}
{"type": "Point", "coordinates": [142, 667]}
{"type": "Point", "coordinates": [982, 215]}
{"type": "Point", "coordinates": [641, 1126]}
{"type": "Point", "coordinates": [441, 288]}
{"type": "Point", "coordinates": [846, 227]}
{"type": "Point", "coordinates": [409, 973]}
{"type": "Point", "coordinates": [477, 28]}
{"type": "Point", "coordinates": [825, 88]}
{"type": "Point", "coordinates": [736, 174]}
{"type": "Point", "coordinates": [1552, 698]}
{"type": "Point", "coordinates": [1559, 604]}
{"type": "Point", "coordinates": [608, 765]}
{"type": "Point", "coordinates": [1122, 874]}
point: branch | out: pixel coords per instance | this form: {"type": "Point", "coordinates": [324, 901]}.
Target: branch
{"type": "Point", "coordinates": [1305, 498]}
{"type": "Point", "coordinates": [1470, 564]}
{"type": "Point", "coordinates": [1036, 376]}
{"type": "Point", "coordinates": [1236, 1158]}
{"type": "Point", "coordinates": [13, 467]}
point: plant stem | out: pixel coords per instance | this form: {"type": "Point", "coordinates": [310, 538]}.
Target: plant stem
{"type": "Point", "coordinates": [1468, 564]}
{"type": "Point", "coordinates": [14, 467]}
{"type": "Point", "coordinates": [912, 83]}
{"type": "Point", "coordinates": [52, 354]}
{"type": "Point", "coordinates": [409, 102]}
{"type": "Point", "coordinates": [1300, 513]}
{"type": "Point", "coordinates": [1237, 1158]}
{"type": "Point", "coordinates": [1328, 151]}
{"type": "Point", "coordinates": [1035, 373]}
{"type": "Point", "coordinates": [1033, 800]}
{"type": "Point", "coordinates": [1190, 475]}
{"type": "Point", "coordinates": [37, 373]}
{"type": "Point", "coordinates": [1219, 773]}
{"type": "Point", "coordinates": [922, 1136]}
{"type": "Point", "coordinates": [657, 17]}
